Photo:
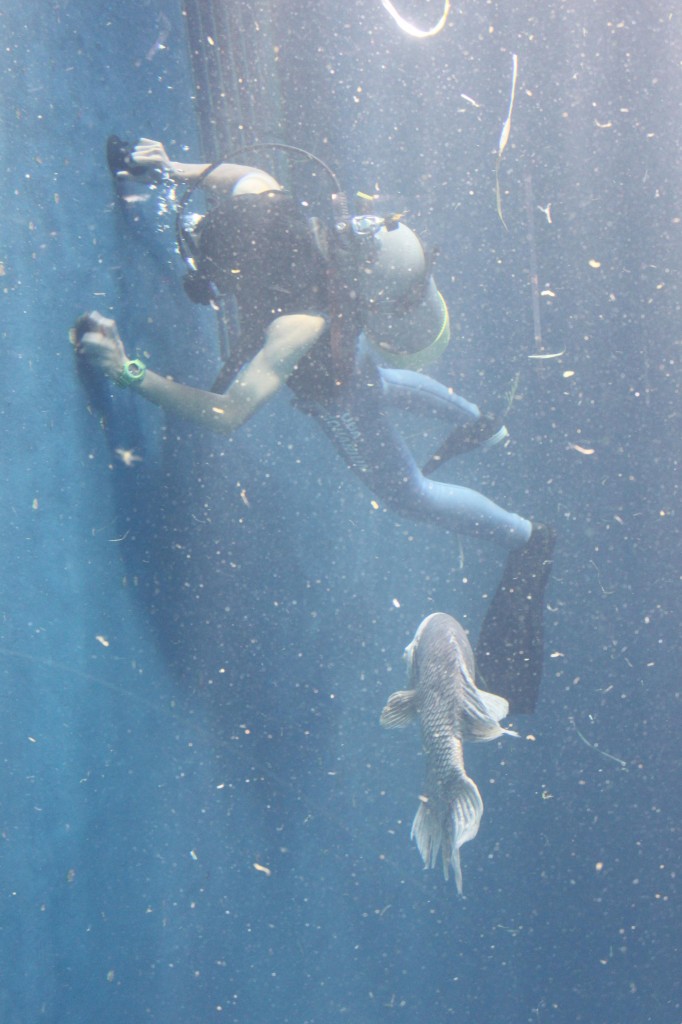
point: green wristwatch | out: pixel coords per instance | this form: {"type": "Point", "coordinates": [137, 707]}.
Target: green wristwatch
{"type": "Point", "coordinates": [132, 373]}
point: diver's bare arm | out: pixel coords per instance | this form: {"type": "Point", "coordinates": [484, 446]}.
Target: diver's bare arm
{"type": "Point", "coordinates": [287, 339]}
{"type": "Point", "coordinates": [224, 177]}
{"type": "Point", "coordinates": [151, 154]}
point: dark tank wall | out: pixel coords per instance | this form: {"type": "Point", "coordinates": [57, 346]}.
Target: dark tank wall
{"type": "Point", "coordinates": [185, 620]}
{"type": "Point", "coordinates": [107, 823]}
{"type": "Point", "coordinates": [88, 748]}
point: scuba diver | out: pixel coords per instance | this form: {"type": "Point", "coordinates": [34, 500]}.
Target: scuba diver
{"type": "Point", "coordinates": [346, 319]}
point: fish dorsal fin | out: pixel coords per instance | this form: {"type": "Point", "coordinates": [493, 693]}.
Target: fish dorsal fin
{"type": "Point", "coordinates": [400, 710]}
{"type": "Point", "coordinates": [481, 711]}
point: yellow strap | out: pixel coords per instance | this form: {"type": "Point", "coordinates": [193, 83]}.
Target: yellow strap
{"type": "Point", "coordinates": [432, 352]}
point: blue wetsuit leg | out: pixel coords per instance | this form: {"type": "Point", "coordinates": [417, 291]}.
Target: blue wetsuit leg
{"type": "Point", "coordinates": [422, 395]}
{"type": "Point", "coordinates": [358, 423]}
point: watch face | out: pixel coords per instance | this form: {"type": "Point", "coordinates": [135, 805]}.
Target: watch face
{"type": "Point", "coordinates": [132, 373]}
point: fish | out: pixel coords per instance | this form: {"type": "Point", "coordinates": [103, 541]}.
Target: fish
{"type": "Point", "coordinates": [451, 711]}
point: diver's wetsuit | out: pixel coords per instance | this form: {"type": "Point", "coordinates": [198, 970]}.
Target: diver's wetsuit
{"type": "Point", "coordinates": [355, 415]}
{"type": "Point", "coordinates": [259, 247]}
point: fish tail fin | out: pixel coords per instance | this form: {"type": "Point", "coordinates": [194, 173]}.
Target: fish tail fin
{"type": "Point", "coordinates": [466, 812]}
{"type": "Point", "coordinates": [445, 827]}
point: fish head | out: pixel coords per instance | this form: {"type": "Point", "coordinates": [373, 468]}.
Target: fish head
{"type": "Point", "coordinates": [411, 654]}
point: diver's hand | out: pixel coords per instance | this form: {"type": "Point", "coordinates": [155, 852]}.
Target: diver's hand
{"type": "Point", "coordinates": [96, 339]}
{"type": "Point", "coordinates": [151, 155]}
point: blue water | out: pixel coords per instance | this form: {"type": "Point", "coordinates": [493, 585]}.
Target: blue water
{"type": "Point", "coordinates": [196, 649]}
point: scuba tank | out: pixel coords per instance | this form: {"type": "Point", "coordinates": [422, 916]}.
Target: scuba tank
{"type": "Point", "coordinates": [406, 321]}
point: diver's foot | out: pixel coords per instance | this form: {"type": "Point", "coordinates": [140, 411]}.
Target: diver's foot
{"type": "Point", "coordinates": [509, 654]}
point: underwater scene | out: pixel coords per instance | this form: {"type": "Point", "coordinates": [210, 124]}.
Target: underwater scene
{"type": "Point", "coordinates": [341, 547]}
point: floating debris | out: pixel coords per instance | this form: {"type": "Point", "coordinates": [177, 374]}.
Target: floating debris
{"type": "Point", "coordinates": [128, 456]}
{"type": "Point", "coordinates": [135, 197]}
{"type": "Point", "coordinates": [579, 448]}
{"type": "Point", "coordinates": [548, 355]}
{"type": "Point", "coordinates": [504, 137]}
{"type": "Point", "coordinates": [412, 30]}
{"type": "Point", "coordinates": [593, 746]}
{"type": "Point", "coordinates": [162, 37]}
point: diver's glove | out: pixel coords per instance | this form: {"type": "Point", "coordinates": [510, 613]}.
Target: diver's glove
{"type": "Point", "coordinates": [120, 158]}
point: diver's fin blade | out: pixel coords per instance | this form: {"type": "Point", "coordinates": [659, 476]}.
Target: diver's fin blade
{"type": "Point", "coordinates": [485, 432]}
{"type": "Point", "coordinates": [511, 642]}
{"type": "Point", "coordinates": [461, 439]}
{"type": "Point", "coordinates": [400, 710]}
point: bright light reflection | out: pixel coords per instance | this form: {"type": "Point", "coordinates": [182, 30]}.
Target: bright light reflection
{"type": "Point", "coordinates": [412, 30]}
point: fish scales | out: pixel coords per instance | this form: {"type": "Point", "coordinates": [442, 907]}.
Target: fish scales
{"type": "Point", "coordinates": [450, 709]}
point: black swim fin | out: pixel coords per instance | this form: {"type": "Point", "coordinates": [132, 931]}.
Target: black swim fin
{"type": "Point", "coordinates": [485, 432]}
{"type": "Point", "coordinates": [510, 647]}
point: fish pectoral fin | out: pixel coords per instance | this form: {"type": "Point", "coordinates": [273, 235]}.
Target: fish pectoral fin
{"type": "Point", "coordinates": [400, 710]}
{"type": "Point", "coordinates": [497, 707]}
{"type": "Point", "coordinates": [481, 722]}
{"type": "Point", "coordinates": [481, 714]}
